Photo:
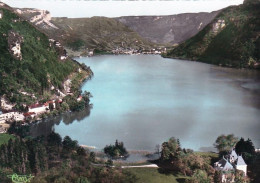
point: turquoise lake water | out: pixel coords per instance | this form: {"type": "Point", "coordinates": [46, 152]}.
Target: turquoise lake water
{"type": "Point", "coordinates": [143, 100]}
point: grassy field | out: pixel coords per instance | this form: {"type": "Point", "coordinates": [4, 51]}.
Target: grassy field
{"type": "Point", "coordinates": [210, 157]}
{"type": "Point", "coordinates": [5, 137]}
{"type": "Point", "coordinates": [151, 175]}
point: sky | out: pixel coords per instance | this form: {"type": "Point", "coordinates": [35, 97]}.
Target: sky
{"type": "Point", "coordinates": [116, 8]}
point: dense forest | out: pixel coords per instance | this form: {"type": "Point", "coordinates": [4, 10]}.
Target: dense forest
{"type": "Point", "coordinates": [197, 167]}
{"type": "Point", "coordinates": [231, 39]}
{"type": "Point", "coordinates": [36, 68]}
{"type": "Point", "coordinates": [53, 159]}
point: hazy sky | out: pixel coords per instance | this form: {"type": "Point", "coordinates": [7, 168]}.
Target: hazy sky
{"type": "Point", "coordinates": [115, 8]}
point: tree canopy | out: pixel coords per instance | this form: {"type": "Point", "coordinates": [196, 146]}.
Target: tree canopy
{"type": "Point", "coordinates": [174, 158]}
{"type": "Point", "coordinates": [225, 142]}
{"type": "Point", "coordinates": [243, 146]}
{"type": "Point", "coordinates": [116, 151]}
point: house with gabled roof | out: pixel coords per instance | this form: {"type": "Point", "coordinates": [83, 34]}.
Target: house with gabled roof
{"type": "Point", "coordinates": [233, 156]}
{"type": "Point", "coordinates": [240, 164]}
{"type": "Point", "coordinates": [223, 165]}
{"type": "Point", "coordinates": [229, 164]}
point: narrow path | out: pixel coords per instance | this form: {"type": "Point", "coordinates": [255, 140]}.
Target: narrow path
{"type": "Point", "coordinates": [134, 166]}
{"type": "Point", "coordinates": [141, 166]}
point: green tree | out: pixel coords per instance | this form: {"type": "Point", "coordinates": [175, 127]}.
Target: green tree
{"type": "Point", "coordinates": [61, 180]}
{"type": "Point", "coordinates": [217, 177]}
{"type": "Point", "coordinates": [240, 177]}
{"type": "Point", "coordinates": [69, 144]}
{"type": "Point", "coordinates": [243, 146]}
{"type": "Point", "coordinates": [82, 180]}
{"type": "Point", "coordinates": [81, 151]}
{"type": "Point", "coordinates": [247, 2]}
{"type": "Point", "coordinates": [170, 148]}
{"type": "Point", "coordinates": [251, 62]}
{"type": "Point", "coordinates": [247, 149]}
{"type": "Point", "coordinates": [64, 106]}
{"type": "Point", "coordinates": [199, 176]}
{"type": "Point", "coordinates": [92, 157]}
{"type": "Point", "coordinates": [225, 142]}
{"type": "Point", "coordinates": [54, 139]}
{"type": "Point", "coordinates": [109, 162]}
{"type": "Point", "coordinates": [76, 44]}
{"type": "Point", "coordinates": [116, 151]}
{"type": "Point", "coordinates": [19, 129]}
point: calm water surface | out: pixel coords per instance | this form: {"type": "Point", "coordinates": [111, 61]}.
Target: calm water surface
{"type": "Point", "coordinates": [143, 100]}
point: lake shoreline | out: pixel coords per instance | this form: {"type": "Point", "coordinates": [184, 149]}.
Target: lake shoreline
{"type": "Point", "coordinates": [87, 123]}
{"type": "Point", "coordinates": [219, 65]}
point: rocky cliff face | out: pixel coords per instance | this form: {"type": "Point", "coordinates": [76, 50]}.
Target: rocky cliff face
{"type": "Point", "coordinates": [99, 33]}
{"type": "Point", "coordinates": [40, 18]}
{"type": "Point", "coordinates": [29, 65]}
{"type": "Point", "coordinates": [108, 33]}
{"type": "Point", "coordinates": [14, 44]}
{"type": "Point", "coordinates": [168, 29]}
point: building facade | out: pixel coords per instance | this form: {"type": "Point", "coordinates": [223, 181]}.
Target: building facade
{"type": "Point", "coordinates": [229, 164]}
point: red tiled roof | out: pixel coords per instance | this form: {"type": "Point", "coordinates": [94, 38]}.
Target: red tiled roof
{"type": "Point", "coordinates": [48, 102]}
{"type": "Point", "coordinates": [28, 113]}
{"type": "Point", "coordinates": [35, 106]}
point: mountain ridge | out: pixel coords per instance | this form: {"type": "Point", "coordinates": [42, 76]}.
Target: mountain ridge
{"type": "Point", "coordinates": [108, 34]}
{"type": "Point", "coordinates": [232, 39]}
{"type": "Point", "coordinates": [168, 29]}
{"type": "Point", "coordinates": [32, 67]}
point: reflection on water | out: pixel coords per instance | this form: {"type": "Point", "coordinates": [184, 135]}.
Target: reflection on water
{"type": "Point", "coordinates": [143, 100]}
{"type": "Point", "coordinates": [46, 126]}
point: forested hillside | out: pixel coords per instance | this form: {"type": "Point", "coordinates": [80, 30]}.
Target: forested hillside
{"type": "Point", "coordinates": [100, 33]}
{"type": "Point", "coordinates": [231, 39]}
{"type": "Point", "coordinates": [54, 160]}
{"type": "Point", "coordinates": [171, 29]}
{"type": "Point", "coordinates": [29, 64]}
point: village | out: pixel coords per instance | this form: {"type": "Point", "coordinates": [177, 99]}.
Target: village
{"type": "Point", "coordinates": [34, 111]}
{"type": "Point", "coordinates": [8, 114]}
{"type": "Point", "coordinates": [131, 51]}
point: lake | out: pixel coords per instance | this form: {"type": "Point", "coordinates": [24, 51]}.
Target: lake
{"type": "Point", "coordinates": [143, 100]}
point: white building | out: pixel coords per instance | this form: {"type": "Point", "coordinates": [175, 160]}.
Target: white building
{"type": "Point", "coordinates": [5, 105]}
{"type": "Point", "coordinates": [90, 53]}
{"type": "Point", "coordinates": [17, 116]}
{"type": "Point", "coordinates": [63, 57]}
{"type": "Point", "coordinates": [229, 164]}
{"type": "Point", "coordinates": [241, 165]}
{"type": "Point", "coordinates": [37, 109]}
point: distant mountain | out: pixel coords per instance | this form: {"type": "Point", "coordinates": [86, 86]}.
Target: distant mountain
{"type": "Point", "coordinates": [30, 65]}
{"type": "Point", "coordinates": [168, 29]}
{"type": "Point", "coordinates": [231, 39]}
{"type": "Point", "coordinates": [100, 33]}
{"type": "Point", "coordinates": [106, 34]}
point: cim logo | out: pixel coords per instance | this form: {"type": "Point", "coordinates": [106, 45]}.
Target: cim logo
{"type": "Point", "coordinates": [20, 178]}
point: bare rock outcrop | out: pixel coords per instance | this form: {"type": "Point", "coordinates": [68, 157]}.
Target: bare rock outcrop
{"type": "Point", "coordinates": [14, 44]}
{"type": "Point", "coordinates": [40, 18]}
{"type": "Point", "coordinates": [1, 14]}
